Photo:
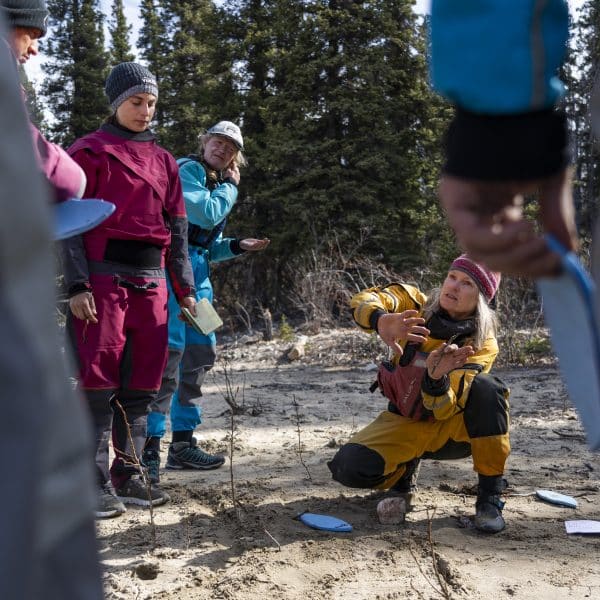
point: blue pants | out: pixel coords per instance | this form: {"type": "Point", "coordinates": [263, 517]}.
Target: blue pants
{"type": "Point", "coordinates": [191, 356]}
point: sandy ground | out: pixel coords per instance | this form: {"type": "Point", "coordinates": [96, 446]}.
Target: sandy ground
{"type": "Point", "coordinates": [296, 415]}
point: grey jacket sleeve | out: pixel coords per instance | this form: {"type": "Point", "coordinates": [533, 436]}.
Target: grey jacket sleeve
{"type": "Point", "coordinates": [178, 260]}
{"type": "Point", "coordinates": [74, 265]}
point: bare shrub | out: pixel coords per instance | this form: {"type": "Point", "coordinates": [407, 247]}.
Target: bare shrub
{"type": "Point", "coordinates": [324, 279]}
{"type": "Point", "coordinates": [522, 336]}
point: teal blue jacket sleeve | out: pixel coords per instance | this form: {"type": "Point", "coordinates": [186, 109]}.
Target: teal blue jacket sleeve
{"type": "Point", "coordinates": [223, 249]}
{"type": "Point", "coordinates": [497, 61]}
{"type": "Point", "coordinates": [204, 207]}
{"type": "Point", "coordinates": [498, 57]}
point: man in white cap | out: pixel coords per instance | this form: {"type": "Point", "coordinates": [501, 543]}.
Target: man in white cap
{"type": "Point", "coordinates": [210, 188]}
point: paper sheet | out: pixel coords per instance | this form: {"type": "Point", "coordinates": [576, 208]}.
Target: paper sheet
{"type": "Point", "coordinates": [589, 527]}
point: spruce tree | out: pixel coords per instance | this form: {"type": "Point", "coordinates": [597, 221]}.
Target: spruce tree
{"type": "Point", "coordinates": [343, 135]}
{"type": "Point", "coordinates": [195, 87]}
{"type": "Point", "coordinates": [348, 126]}
{"type": "Point", "coordinates": [153, 48]}
{"type": "Point", "coordinates": [119, 29]}
{"type": "Point", "coordinates": [580, 73]}
{"type": "Point", "coordinates": [76, 69]}
{"type": "Point", "coordinates": [34, 106]}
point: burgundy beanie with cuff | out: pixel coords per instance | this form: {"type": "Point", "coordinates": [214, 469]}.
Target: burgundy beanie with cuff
{"type": "Point", "coordinates": [487, 281]}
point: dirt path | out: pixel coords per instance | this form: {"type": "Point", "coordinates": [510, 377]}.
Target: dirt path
{"type": "Point", "coordinates": [205, 549]}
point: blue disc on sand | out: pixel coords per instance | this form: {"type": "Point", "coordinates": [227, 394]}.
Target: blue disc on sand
{"type": "Point", "coordinates": [324, 522]}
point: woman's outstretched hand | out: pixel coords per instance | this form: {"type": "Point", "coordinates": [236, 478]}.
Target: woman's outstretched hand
{"type": "Point", "coordinates": [254, 245]}
{"type": "Point", "coordinates": [400, 327]}
{"type": "Point", "coordinates": [446, 358]}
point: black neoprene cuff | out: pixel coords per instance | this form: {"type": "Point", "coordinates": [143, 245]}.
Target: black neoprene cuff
{"type": "Point", "coordinates": [435, 387]}
{"type": "Point", "coordinates": [374, 318]}
{"type": "Point", "coordinates": [234, 246]}
{"type": "Point", "coordinates": [78, 288]}
{"type": "Point", "coordinates": [229, 180]}
{"type": "Point", "coordinates": [500, 147]}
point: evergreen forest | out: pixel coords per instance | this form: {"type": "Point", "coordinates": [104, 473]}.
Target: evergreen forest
{"type": "Point", "coordinates": [343, 134]}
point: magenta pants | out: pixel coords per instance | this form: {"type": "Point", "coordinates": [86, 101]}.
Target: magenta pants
{"type": "Point", "coordinates": [127, 318]}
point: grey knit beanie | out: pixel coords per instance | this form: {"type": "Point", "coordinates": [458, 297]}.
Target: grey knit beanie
{"type": "Point", "coordinates": [127, 79]}
{"type": "Point", "coordinates": [25, 13]}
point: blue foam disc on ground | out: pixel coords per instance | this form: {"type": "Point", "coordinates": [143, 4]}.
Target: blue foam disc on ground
{"type": "Point", "coordinates": [325, 522]}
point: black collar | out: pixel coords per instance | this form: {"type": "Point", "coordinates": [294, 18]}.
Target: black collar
{"type": "Point", "coordinates": [442, 326]}
{"type": "Point", "coordinates": [123, 132]}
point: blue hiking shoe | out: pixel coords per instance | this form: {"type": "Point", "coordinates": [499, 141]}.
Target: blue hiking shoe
{"type": "Point", "coordinates": [186, 455]}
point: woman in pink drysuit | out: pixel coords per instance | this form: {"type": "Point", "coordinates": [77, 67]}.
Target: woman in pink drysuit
{"type": "Point", "coordinates": [116, 279]}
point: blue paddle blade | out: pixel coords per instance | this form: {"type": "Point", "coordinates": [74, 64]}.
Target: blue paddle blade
{"type": "Point", "coordinates": [325, 522]}
{"type": "Point", "coordinates": [73, 217]}
{"type": "Point", "coordinates": [569, 302]}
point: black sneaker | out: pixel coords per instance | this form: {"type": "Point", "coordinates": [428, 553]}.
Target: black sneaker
{"type": "Point", "coordinates": [151, 461]}
{"type": "Point", "coordinates": [488, 513]}
{"type": "Point", "coordinates": [406, 486]}
{"type": "Point", "coordinates": [134, 491]}
{"type": "Point", "coordinates": [108, 505]}
{"type": "Point", "coordinates": [186, 455]}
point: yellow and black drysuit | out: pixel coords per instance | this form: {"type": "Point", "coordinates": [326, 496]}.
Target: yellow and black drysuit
{"type": "Point", "coordinates": [465, 412]}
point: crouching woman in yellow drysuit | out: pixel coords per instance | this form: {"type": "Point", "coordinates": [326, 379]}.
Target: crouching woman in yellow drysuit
{"type": "Point", "coordinates": [443, 403]}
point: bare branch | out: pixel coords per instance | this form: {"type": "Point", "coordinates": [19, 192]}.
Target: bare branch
{"type": "Point", "coordinates": [136, 462]}
{"type": "Point", "coordinates": [299, 440]}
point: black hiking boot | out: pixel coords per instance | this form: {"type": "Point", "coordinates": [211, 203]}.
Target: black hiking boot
{"type": "Point", "coordinates": [488, 508]}
{"type": "Point", "coordinates": [406, 486]}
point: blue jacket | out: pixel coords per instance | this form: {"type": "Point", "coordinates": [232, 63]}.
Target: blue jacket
{"type": "Point", "coordinates": [207, 207]}
{"type": "Point", "coordinates": [498, 57]}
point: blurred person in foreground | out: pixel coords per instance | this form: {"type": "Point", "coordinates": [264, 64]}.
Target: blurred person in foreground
{"type": "Point", "coordinates": [48, 539]}
{"type": "Point", "coordinates": [497, 62]}
{"type": "Point", "coordinates": [27, 24]}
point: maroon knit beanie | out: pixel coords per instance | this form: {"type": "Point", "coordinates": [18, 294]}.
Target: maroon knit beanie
{"type": "Point", "coordinates": [487, 281]}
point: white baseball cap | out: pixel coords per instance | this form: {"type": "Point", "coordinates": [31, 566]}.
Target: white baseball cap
{"type": "Point", "coordinates": [229, 130]}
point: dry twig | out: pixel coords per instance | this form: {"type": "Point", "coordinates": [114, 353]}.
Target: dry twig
{"type": "Point", "coordinates": [295, 403]}
{"type": "Point", "coordinates": [435, 556]}
{"type": "Point", "coordinates": [425, 576]}
{"type": "Point", "coordinates": [243, 316]}
{"type": "Point", "coordinates": [443, 589]}
{"type": "Point", "coordinates": [136, 462]}
{"type": "Point", "coordinates": [276, 542]}
{"type": "Point", "coordinates": [230, 394]}
{"type": "Point", "coordinates": [567, 434]}
{"type": "Point", "coordinates": [234, 500]}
